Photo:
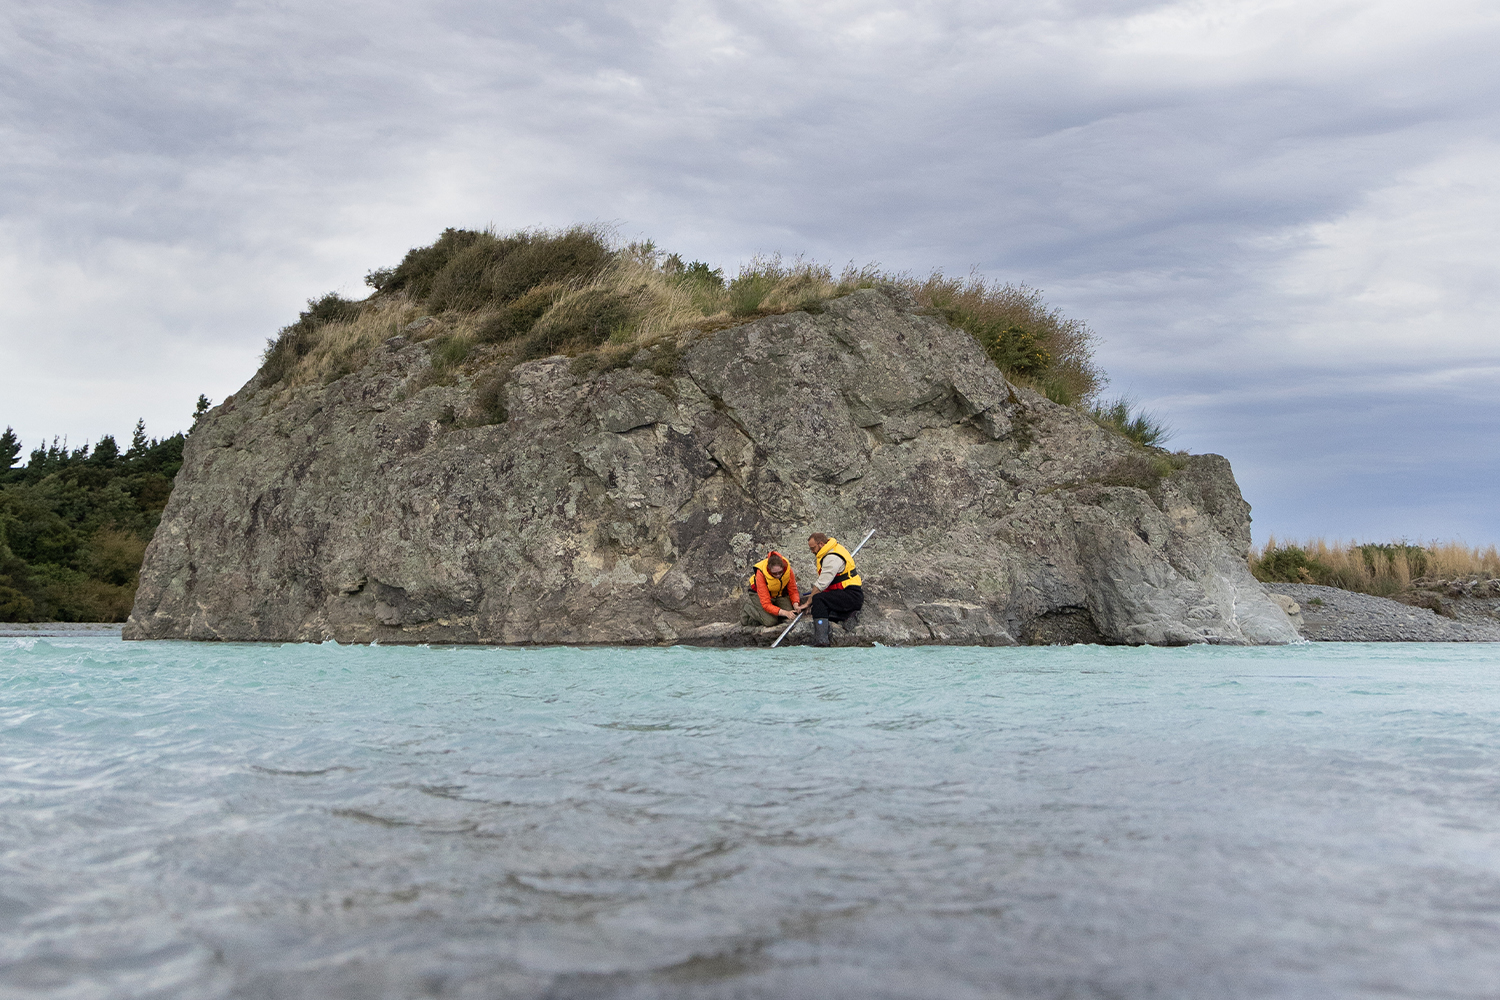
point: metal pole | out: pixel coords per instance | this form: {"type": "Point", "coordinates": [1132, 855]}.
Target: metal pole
{"type": "Point", "coordinates": [801, 613]}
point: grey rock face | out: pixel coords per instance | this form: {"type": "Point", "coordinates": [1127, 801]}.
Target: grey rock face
{"type": "Point", "coordinates": [627, 507]}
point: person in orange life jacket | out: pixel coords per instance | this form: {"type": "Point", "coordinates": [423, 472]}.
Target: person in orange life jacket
{"type": "Point", "coordinates": [838, 593]}
{"type": "Point", "coordinates": [770, 592]}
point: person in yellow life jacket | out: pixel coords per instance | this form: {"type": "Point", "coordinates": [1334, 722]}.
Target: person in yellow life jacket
{"type": "Point", "coordinates": [838, 593]}
{"type": "Point", "coordinates": [770, 592]}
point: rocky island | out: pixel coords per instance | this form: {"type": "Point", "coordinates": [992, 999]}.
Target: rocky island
{"type": "Point", "coordinates": [556, 484]}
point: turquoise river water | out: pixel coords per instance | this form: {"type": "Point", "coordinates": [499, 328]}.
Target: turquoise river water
{"type": "Point", "coordinates": [199, 820]}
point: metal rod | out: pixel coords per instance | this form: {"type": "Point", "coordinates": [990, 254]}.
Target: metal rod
{"type": "Point", "coordinates": [801, 613]}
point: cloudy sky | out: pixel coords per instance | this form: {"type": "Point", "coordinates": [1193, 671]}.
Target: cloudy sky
{"type": "Point", "coordinates": [1280, 216]}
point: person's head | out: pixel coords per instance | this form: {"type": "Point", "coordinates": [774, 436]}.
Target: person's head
{"type": "Point", "coordinates": [776, 565]}
{"type": "Point", "coordinates": [816, 541]}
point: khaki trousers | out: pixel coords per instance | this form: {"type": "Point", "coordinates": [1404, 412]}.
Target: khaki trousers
{"type": "Point", "coordinates": [754, 614]}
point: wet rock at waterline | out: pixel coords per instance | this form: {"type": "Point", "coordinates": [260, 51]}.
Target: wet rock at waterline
{"type": "Point", "coordinates": [626, 506]}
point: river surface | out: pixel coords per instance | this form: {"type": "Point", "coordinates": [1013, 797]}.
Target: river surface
{"type": "Point", "coordinates": [200, 820]}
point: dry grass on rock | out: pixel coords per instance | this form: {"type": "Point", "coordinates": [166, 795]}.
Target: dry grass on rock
{"type": "Point", "coordinates": [506, 298]}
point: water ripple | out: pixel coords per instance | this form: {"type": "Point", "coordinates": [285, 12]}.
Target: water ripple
{"type": "Point", "coordinates": [218, 820]}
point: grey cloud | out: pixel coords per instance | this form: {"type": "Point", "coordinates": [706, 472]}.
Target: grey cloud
{"type": "Point", "coordinates": [293, 148]}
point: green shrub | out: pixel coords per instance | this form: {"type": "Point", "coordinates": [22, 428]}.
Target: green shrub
{"type": "Point", "coordinates": [574, 255]}
{"type": "Point", "coordinates": [1016, 350]}
{"type": "Point", "coordinates": [1290, 564]}
{"type": "Point", "coordinates": [699, 273]}
{"type": "Point", "coordinates": [1385, 569]}
{"type": "Point", "coordinates": [331, 308]}
{"type": "Point", "coordinates": [114, 557]}
{"type": "Point", "coordinates": [421, 266]}
{"type": "Point", "coordinates": [517, 318]}
{"type": "Point", "coordinates": [35, 532]}
{"type": "Point", "coordinates": [464, 283]}
{"type": "Point", "coordinates": [467, 270]}
{"type": "Point", "coordinates": [580, 320]}
{"type": "Point", "coordinates": [1142, 428]}
{"type": "Point", "coordinates": [749, 289]}
{"type": "Point", "coordinates": [1012, 348]}
{"type": "Point", "coordinates": [704, 285]}
{"type": "Point", "coordinates": [1064, 369]}
{"type": "Point", "coordinates": [15, 606]}
{"type": "Point", "coordinates": [70, 595]}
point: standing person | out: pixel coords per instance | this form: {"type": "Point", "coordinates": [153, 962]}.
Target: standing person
{"type": "Point", "coordinates": [838, 593]}
{"type": "Point", "coordinates": [771, 591]}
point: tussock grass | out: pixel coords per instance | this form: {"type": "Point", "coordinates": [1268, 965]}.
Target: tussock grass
{"type": "Point", "coordinates": [533, 293]}
{"type": "Point", "coordinates": [1141, 427]}
{"type": "Point", "coordinates": [1454, 560]}
{"type": "Point", "coordinates": [1380, 568]}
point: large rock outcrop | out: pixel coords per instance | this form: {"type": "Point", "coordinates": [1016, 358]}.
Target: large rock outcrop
{"type": "Point", "coordinates": [626, 506]}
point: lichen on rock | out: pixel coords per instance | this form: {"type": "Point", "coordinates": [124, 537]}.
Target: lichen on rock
{"type": "Point", "coordinates": [626, 506]}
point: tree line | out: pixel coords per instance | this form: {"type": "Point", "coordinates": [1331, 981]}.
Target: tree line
{"type": "Point", "coordinates": [74, 523]}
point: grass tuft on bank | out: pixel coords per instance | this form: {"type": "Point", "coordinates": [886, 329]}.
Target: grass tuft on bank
{"type": "Point", "coordinates": [533, 293]}
{"type": "Point", "coordinates": [1384, 569]}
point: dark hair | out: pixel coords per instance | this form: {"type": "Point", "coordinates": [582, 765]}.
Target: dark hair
{"type": "Point", "coordinates": [774, 560]}
{"type": "Point", "coordinates": [820, 538]}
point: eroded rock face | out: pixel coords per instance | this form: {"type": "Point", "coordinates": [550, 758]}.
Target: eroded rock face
{"type": "Point", "coordinates": [626, 507]}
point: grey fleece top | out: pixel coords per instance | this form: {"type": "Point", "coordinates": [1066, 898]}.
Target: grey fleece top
{"type": "Point", "coordinates": [833, 565]}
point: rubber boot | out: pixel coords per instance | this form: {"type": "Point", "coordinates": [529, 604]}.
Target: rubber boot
{"type": "Point", "coordinates": [822, 632]}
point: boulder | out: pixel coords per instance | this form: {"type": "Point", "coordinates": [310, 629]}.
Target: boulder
{"type": "Point", "coordinates": [1292, 609]}
{"type": "Point", "coordinates": [626, 506]}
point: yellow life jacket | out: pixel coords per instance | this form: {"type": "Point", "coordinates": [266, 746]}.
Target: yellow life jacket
{"type": "Point", "coordinates": [775, 586]}
{"type": "Point", "coordinates": [850, 576]}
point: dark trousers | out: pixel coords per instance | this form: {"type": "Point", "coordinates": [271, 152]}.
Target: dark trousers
{"type": "Point", "coordinates": [836, 605]}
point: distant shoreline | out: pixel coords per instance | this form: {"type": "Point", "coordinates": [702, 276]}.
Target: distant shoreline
{"type": "Point", "coordinates": [57, 630]}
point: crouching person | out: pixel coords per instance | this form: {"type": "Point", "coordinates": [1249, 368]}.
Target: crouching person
{"type": "Point", "coordinates": [771, 592]}
{"type": "Point", "coordinates": [838, 593]}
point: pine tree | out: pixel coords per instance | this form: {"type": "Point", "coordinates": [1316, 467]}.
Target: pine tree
{"type": "Point", "coordinates": [106, 451]}
{"type": "Point", "coordinates": [138, 442]}
{"type": "Point", "coordinates": [10, 447]}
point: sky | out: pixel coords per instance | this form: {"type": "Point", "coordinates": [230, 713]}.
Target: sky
{"type": "Point", "coordinates": [1280, 218]}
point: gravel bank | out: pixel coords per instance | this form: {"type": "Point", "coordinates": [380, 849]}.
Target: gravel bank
{"type": "Point", "coordinates": [1344, 616]}
{"type": "Point", "coordinates": [14, 630]}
